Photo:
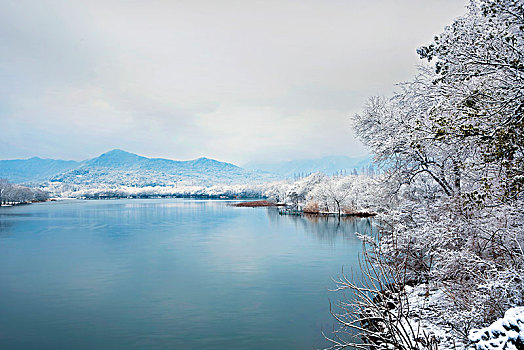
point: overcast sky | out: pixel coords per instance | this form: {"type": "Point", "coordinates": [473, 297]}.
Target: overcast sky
{"type": "Point", "coordinates": [231, 80]}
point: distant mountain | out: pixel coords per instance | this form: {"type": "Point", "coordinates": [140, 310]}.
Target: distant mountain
{"type": "Point", "coordinates": [118, 167]}
{"type": "Point", "coordinates": [327, 165]}
{"type": "Point", "coordinates": [33, 169]}
{"type": "Point", "coordinates": [121, 168]}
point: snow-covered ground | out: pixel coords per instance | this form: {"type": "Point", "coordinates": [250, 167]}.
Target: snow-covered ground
{"type": "Point", "coordinates": [426, 304]}
{"type": "Point", "coordinates": [506, 333]}
{"type": "Point", "coordinates": [426, 319]}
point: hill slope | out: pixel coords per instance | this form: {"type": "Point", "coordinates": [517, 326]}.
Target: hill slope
{"type": "Point", "coordinates": [33, 169]}
{"type": "Point", "coordinates": [118, 167]}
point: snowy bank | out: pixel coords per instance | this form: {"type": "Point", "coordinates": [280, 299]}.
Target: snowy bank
{"type": "Point", "coordinates": [506, 333]}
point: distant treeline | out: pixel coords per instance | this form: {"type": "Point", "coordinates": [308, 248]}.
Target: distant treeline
{"type": "Point", "coordinates": [123, 195]}
{"type": "Point", "coordinates": [368, 170]}
{"type": "Point", "coordinates": [216, 192]}
{"type": "Point", "coordinates": [17, 194]}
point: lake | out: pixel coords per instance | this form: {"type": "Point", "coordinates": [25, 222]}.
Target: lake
{"type": "Point", "coordinates": [168, 274]}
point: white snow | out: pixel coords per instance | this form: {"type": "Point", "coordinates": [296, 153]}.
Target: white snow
{"type": "Point", "coordinates": [426, 306]}
{"type": "Point", "coordinates": [505, 333]}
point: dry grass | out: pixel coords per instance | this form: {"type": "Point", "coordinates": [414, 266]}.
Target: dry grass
{"type": "Point", "coordinates": [311, 208]}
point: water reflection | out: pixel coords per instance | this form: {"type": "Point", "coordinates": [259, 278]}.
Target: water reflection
{"type": "Point", "coordinates": [150, 273]}
{"type": "Point", "coordinates": [5, 228]}
{"type": "Point", "coordinates": [9, 217]}
{"type": "Point", "coordinates": [325, 228]}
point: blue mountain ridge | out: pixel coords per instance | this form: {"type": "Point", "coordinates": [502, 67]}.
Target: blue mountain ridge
{"type": "Point", "coordinates": [33, 170]}
{"type": "Point", "coordinates": [118, 167]}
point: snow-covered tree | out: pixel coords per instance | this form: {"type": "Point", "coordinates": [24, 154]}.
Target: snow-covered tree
{"type": "Point", "coordinates": [450, 144]}
{"type": "Point", "coordinates": [14, 194]}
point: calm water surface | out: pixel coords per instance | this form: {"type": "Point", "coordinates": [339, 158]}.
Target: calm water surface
{"type": "Point", "coordinates": [167, 274]}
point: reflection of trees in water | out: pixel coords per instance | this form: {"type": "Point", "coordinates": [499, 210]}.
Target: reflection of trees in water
{"type": "Point", "coordinates": [5, 228]}
{"type": "Point", "coordinates": [8, 219]}
{"type": "Point", "coordinates": [325, 228]}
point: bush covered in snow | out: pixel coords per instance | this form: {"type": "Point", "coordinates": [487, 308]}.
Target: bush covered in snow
{"type": "Point", "coordinates": [506, 333]}
{"type": "Point", "coordinates": [450, 143]}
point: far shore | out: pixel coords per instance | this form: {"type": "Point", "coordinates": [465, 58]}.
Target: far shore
{"type": "Point", "coordinates": [291, 211]}
{"type": "Point", "coordinates": [262, 203]}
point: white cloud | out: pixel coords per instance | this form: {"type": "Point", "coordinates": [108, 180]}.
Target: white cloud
{"type": "Point", "coordinates": [234, 80]}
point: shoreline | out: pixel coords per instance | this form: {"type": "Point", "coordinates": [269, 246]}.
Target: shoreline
{"type": "Point", "coordinates": [257, 204]}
